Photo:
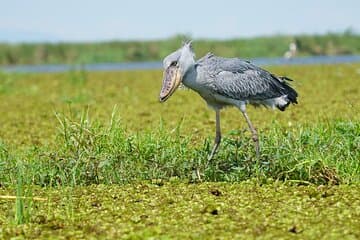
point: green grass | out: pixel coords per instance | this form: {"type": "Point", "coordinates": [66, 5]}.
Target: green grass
{"type": "Point", "coordinates": [129, 51]}
{"type": "Point", "coordinates": [110, 160]}
{"type": "Point", "coordinates": [173, 210]}
{"type": "Point", "coordinates": [92, 153]}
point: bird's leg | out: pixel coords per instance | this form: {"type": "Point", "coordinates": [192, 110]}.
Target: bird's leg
{"type": "Point", "coordinates": [217, 137]}
{"type": "Point", "coordinates": [254, 134]}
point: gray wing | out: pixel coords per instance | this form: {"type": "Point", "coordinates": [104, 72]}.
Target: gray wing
{"type": "Point", "coordinates": [239, 79]}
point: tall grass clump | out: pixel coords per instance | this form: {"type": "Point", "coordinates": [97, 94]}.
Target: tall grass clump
{"type": "Point", "coordinates": [90, 152]}
{"type": "Point", "coordinates": [323, 153]}
{"type": "Point", "coordinates": [23, 203]}
{"type": "Point", "coordinates": [96, 153]}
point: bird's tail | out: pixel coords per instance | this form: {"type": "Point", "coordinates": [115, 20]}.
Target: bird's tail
{"type": "Point", "coordinates": [289, 93]}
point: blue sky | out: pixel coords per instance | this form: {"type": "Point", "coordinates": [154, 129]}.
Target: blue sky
{"type": "Point", "coordinates": [81, 20]}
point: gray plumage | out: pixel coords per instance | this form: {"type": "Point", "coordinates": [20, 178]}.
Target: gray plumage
{"type": "Point", "coordinates": [225, 82]}
{"type": "Point", "coordinates": [241, 80]}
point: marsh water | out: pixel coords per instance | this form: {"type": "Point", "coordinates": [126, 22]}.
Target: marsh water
{"type": "Point", "coordinates": [158, 64]}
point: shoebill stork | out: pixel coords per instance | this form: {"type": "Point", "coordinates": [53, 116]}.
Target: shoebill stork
{"type": "Point", "coordinates": [223, 82]}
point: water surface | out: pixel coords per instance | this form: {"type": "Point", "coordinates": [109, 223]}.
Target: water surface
{"type": "Point", "coordinates": [158, 65]}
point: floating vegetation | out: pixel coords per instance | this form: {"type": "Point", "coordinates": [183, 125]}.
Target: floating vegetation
{"type": "Point", "coordinates": [94, 155]}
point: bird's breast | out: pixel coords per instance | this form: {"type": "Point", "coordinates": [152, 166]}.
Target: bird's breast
{"type": "Point", "coordinates": [196, 81]}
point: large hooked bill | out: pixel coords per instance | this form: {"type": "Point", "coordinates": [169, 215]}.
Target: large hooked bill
{"type": "Point", "coordinates": [171, 82]}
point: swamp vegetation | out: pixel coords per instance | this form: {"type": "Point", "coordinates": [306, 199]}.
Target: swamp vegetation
{"type": "Point", "coordinates": [94, 155]}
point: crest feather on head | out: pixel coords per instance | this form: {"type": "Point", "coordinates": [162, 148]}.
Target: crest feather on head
{"type": "Point", "coordinates": [188, 43]}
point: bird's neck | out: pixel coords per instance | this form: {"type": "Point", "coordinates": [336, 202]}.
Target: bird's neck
{"type": "Point", "coordinates": [186, 62]}
{"type": "Point", "coordinates": [189, 79]}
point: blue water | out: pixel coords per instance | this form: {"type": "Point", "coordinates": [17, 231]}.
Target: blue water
{"type": "Point", "coordinates": [158, 65]}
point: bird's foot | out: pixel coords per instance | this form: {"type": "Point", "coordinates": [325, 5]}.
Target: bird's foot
{"type": "Point", "coordinates": [216, 145]}
{"type": "Point", "coordinates": [197, 171]}
{"type": "Point", "coordinates": [211, 155]}
{"type": "Point", "coordinates": [257, 146]}
{"type": "Point", "coordinates": [257, 150]}
{"type": "Point", "coordinates": [213, 151]}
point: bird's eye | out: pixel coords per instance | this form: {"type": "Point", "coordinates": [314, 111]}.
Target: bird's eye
{"type": "Point", "coordinates": [174, 63]}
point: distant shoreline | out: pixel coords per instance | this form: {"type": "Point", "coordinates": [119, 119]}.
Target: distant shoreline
{"type": "Point", "coordinates": [331, 44]}
{"type": "Point", "coordinates": [155, 65]}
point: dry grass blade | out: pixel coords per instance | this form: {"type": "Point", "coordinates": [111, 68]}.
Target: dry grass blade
{"type": "Point", "coordinates": [9, 197]}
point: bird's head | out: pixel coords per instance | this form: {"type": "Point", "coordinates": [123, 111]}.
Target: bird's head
{"type": "Point", "coordinates": [175, 67]}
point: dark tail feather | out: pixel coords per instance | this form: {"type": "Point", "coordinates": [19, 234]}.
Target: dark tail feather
{"type": "Point", "coordinates": [289, 91]}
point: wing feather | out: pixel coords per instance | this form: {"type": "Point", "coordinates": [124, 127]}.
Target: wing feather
{"type": "Point", "coordinates": [241, 80]}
